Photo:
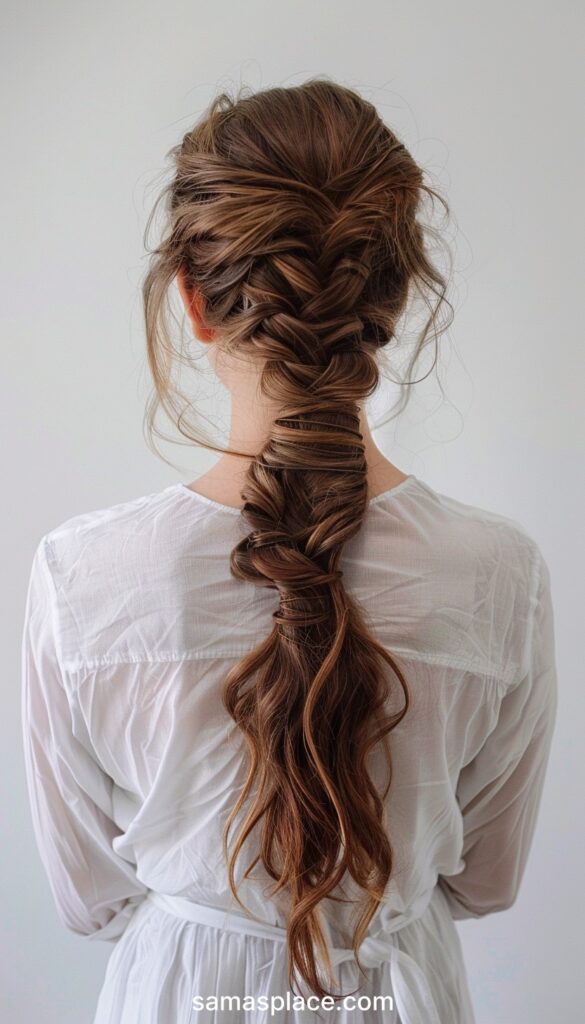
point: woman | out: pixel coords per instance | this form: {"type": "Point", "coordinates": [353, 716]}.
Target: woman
{"type": "Point", "coordinates": [285, 724]}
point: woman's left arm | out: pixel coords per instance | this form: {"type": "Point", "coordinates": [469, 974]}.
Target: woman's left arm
{"type": "Point", "coordinates": [94, 889]}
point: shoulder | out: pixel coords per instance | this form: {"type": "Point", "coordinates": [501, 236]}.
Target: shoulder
{"type": "Point", "coordinates": [91, 561]}
{"type": "Point", "coordinates": [480, 534]}
{"type": "Point", "coordinates": [501, 550]}
{"type": "Point", "coordinates": [57, 566]}
{"type": "Point", "coordinates": [119, 540]}
{"type": "Point", "coordinates": [101, 524]}
{"type": "Point", "coordinates": [483, 569]}
{"type": "Point", "coordinates": [118, 570]}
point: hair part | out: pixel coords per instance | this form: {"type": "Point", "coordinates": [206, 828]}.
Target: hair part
{"type": "Point", "coordinates": [294, 213]}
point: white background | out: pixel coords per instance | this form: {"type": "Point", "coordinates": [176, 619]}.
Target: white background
{"type": "Point", "coordinates": [488, 98]}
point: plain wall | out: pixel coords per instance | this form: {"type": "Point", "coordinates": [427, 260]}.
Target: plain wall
{"type": "Point", "coordinates": [487, 97]}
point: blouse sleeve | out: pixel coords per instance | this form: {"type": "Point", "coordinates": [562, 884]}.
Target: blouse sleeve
{"type": "Point", "coordinates": [94, 889]}
{"type": "Point", "coordinates": [499, 791]}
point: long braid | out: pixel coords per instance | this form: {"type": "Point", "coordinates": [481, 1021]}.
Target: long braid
{"type": "Point", "coordinates": [293, 213]}
{"type": "Point", "coordinates": [307, 717]}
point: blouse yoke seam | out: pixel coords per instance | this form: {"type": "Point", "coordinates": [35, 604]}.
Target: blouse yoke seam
{"type": "Point", "coordinates": [501, 680]}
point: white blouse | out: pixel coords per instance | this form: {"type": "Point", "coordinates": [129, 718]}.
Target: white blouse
{"type": "Point", "coordinates": [132, 621]}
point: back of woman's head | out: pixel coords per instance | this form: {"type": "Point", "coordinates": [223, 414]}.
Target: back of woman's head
{"type": "Point", "coordinates": [293, 213]}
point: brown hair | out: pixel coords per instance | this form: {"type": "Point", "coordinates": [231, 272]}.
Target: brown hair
{"type": "Point", "coordinates": [293, 212]}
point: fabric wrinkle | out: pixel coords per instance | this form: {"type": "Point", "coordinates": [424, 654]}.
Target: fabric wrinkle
{"type": "Point", "coordinates": [132, 621]}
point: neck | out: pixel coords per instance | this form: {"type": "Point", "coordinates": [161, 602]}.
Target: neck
{"type": "Point", "coordinates": [249, 433]}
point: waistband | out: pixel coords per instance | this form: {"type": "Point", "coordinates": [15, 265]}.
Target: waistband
{"type": "Point", "coordinates": [408, 985]}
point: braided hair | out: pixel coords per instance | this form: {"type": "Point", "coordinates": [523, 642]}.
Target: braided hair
{"type": "Point", "coordinates": [293, 212]}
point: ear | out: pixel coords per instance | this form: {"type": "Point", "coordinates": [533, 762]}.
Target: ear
{"type": "Point", "coordinates": [194, 304]}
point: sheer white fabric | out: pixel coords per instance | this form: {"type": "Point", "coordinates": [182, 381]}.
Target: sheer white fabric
{"type": "Point", "coordinates": [132, 620]}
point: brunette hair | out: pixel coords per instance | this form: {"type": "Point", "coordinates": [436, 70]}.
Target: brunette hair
{"type": "Point", "coordinates": [293, 213]}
